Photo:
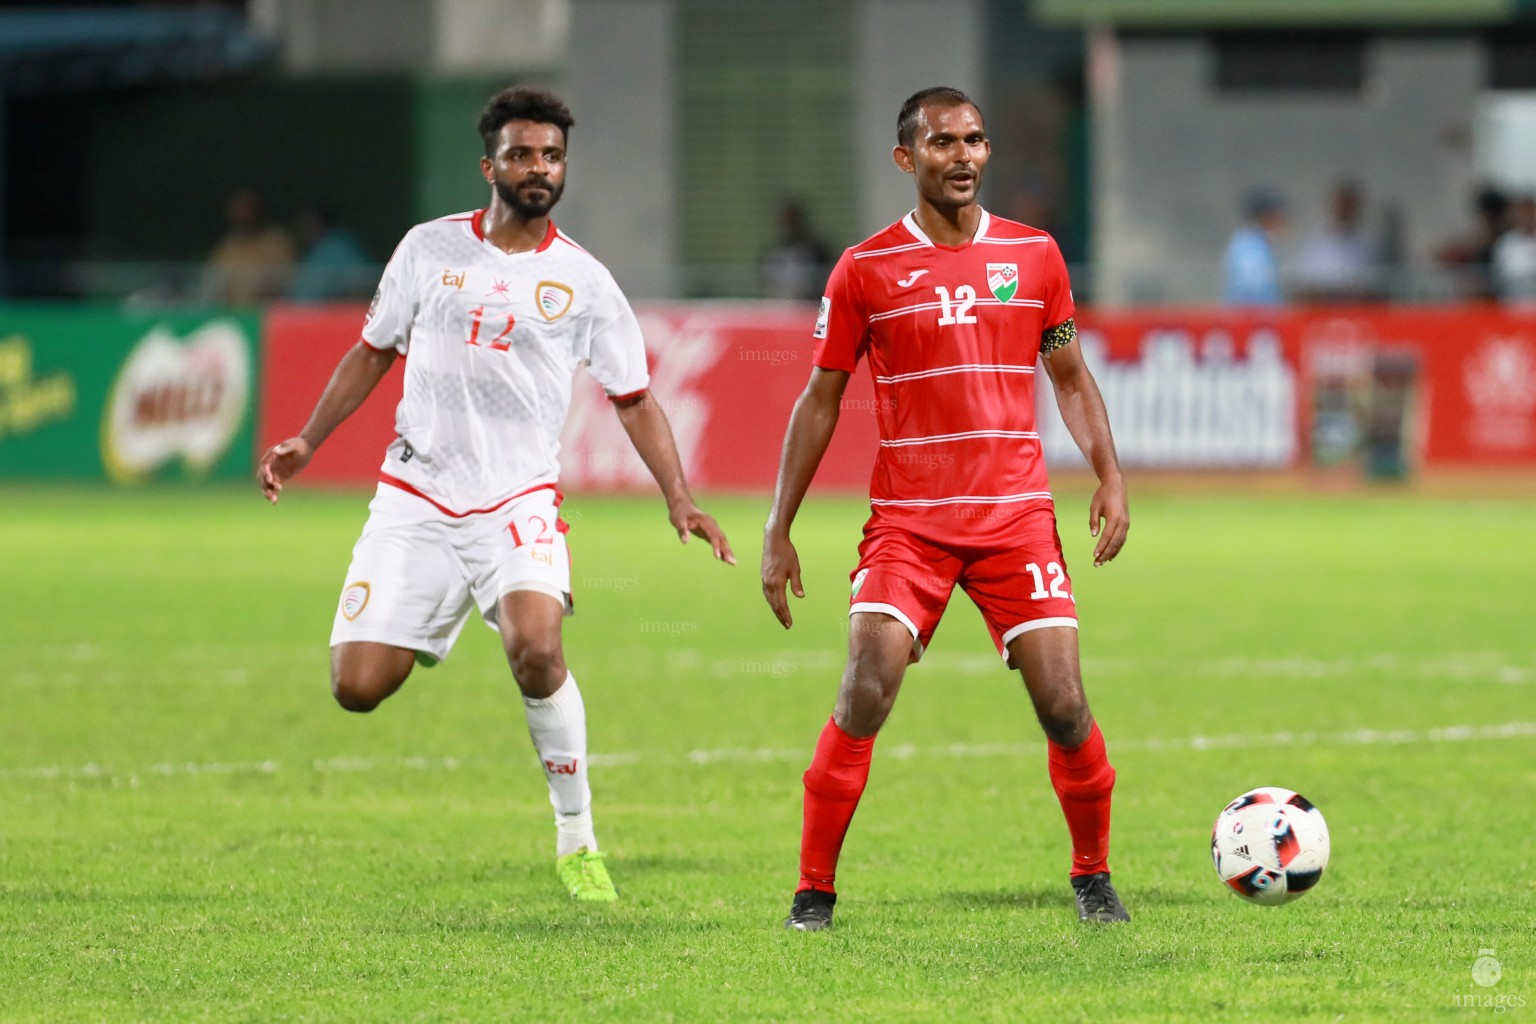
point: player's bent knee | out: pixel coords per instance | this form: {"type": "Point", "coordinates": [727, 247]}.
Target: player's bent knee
{"type": "Point", "coordinates": [865, 699]}
{"type": "Point", "coordinates": [536, 661]}
{"type": "Point", "coordinates": [363, 675]}
{"type": "Point", "coordinates": [353, 697]}
{"type": "Point", "coordinates": [1065, 720]}
{"type": "Point", "coordinates": [361, 693]}
{"type": "Point", "coordinates": [869, 696]}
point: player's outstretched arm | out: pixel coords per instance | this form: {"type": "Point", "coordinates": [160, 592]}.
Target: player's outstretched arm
{"type": "Point", "coordinates": [358, 373]}
{"type": "Point", "coordinates": [651, 434]}
{"type": "Point", "coordinates": [1082, 410]}
{"type": "Point", "coordinates": [805, 442]}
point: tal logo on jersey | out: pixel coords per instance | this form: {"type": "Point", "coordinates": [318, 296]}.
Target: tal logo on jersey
{"type": "Point", "coordinates": [553, 299]}
{"type": "Point", "coordinates": [1003, 279]}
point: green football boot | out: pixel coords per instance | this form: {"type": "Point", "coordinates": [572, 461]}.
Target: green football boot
{"type": "Point", "coordinates": [585, 878]}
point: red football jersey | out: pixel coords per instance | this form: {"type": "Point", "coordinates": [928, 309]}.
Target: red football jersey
{"type": "Point", "coordinates": [953, 335]}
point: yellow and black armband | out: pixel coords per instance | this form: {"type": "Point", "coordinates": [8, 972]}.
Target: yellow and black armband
{"type": "Point", "coordinates": [1060, 336]}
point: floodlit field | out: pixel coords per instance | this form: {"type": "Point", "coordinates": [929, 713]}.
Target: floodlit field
{"type": "Point", "coordinates": [191, 830]}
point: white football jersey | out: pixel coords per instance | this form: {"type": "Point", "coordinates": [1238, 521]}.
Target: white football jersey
{"type": "Point", "coordinates": [492, 342]}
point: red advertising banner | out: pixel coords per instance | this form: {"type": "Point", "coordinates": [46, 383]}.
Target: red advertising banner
{"type": "Point", "coordinates": [726, 375]}
{"type": "Point", "coordinates": [303, 346]}
{"type": "Point", "coordinates": [1394, 388]}
{"type": "Point", "coordinates": [1430, 387]}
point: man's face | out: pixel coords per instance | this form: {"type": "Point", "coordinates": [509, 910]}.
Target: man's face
{"type": "Point", "coordinates": [948, 154]}
{"type": "Point", "coordinates": [528, 171]}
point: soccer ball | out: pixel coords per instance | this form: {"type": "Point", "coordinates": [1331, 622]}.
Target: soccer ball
{"type": "Point", "coordinates": [1270, 845]}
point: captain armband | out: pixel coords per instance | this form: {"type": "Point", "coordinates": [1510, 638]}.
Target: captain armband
{"type": "Point", "coordinates": [1060, 336]}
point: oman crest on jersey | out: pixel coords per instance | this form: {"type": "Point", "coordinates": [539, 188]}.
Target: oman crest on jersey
{"type": "Point", "coordinates": [1003, 279]}
{"type": "Point", "coordinates": [553, 298]}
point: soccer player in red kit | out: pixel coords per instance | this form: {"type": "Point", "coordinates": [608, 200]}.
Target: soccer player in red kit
{"type": "Point", "coordinates": [952, 307]}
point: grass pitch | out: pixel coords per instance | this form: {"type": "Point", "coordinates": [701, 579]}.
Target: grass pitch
{"type": "Point", "coordinates": [191, 830]}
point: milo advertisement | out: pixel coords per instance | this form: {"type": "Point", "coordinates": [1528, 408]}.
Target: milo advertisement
{"type": "Point", "coordinates": [92, 393]}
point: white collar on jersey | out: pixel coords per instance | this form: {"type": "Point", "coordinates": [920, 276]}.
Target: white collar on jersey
{"type": "Point", "coordinates": [910, 223]}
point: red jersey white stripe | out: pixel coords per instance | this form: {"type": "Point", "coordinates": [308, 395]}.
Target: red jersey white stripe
{"type": "Point", "coordinates": [952, 335]}
{"type": "Point", "coordinates": [941, 438]}
{"type": "Point", "coordinates": [943, 370]}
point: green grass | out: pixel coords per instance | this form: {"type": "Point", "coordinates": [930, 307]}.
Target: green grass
{"type": "Point", "coordinates": [191, 830]}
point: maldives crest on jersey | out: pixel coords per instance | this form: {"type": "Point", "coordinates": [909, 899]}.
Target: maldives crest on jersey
{"type": "Point", "coordinates": [1003, 279]}
{"type": "Point", "coordinates": [553, 299]}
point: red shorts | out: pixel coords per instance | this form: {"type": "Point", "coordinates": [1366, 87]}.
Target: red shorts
{"type": "Point", "coordinates": [1020, 588]}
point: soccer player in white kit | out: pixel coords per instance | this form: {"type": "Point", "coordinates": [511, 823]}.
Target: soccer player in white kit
{"type": "Point", "coordinates": [496, 310]}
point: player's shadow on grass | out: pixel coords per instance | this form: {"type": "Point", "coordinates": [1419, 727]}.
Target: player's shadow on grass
{"type": "Point", "coordinates": [993, 899]}
{"type": "Point", "coordinates": [547, 920]}
{"type": "Point", "coordinates": [1049, 897]}
{"type": "Point", "coordinates": [650, 864]}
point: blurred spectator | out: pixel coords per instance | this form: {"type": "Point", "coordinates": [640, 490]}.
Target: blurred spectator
{"type": "Point", "coordinates": [1514, 253]}
{"type": "Point", "coordinates": [1338, 262]}
{"type": "Point", "coordinates": [1251, 268]}
{"type": "Point", "coordinates": [1472, 256]}
{"type": "Point", "coordinates": [251, 263]}
{"type": "Point", "coordinates": [1392, 252]}
{"type": "Point", "coordinates": [798, 264]}
{"type": "Point", "coordinates": [334, 264]}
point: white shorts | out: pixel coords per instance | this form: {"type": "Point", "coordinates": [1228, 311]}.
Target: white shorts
{"type": "Point", "coordinates": [416, 575]}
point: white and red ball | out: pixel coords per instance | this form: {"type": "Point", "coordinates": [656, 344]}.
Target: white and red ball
{"type": "Point", "coordinates": [1270, 845]}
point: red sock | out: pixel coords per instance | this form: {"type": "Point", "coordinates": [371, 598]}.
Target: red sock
{"type": "Point", "coordinates": [833, 784]}
{"type": "Point", "coordinates": [1083, 780]}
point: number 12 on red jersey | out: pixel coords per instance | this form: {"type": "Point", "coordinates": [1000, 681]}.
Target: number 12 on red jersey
{"type": "Point", "coordinates": [958, 309]}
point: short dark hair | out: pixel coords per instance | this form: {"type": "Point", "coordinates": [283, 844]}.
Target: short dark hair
{"type": "Point", "coordinates": [943, 95]}
{"type": "Point", "coordinates": [523, 103]}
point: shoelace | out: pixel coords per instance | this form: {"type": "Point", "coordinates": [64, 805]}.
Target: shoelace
{"type": "Point", "coordinates": [1093, 895]}
{"type": "Point", "coordinates": [591, 867]}
{"type": "Point", "coordinates": [587, 867]}
{"type": "Point", "coordinates": [808, 905]}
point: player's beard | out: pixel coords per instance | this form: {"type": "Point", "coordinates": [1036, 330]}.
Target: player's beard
{"type": "Point", "coordinates": [530, 209]}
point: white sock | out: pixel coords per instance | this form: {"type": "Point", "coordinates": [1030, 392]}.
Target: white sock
{"type": "Point", "coordinates": [558, 726]}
